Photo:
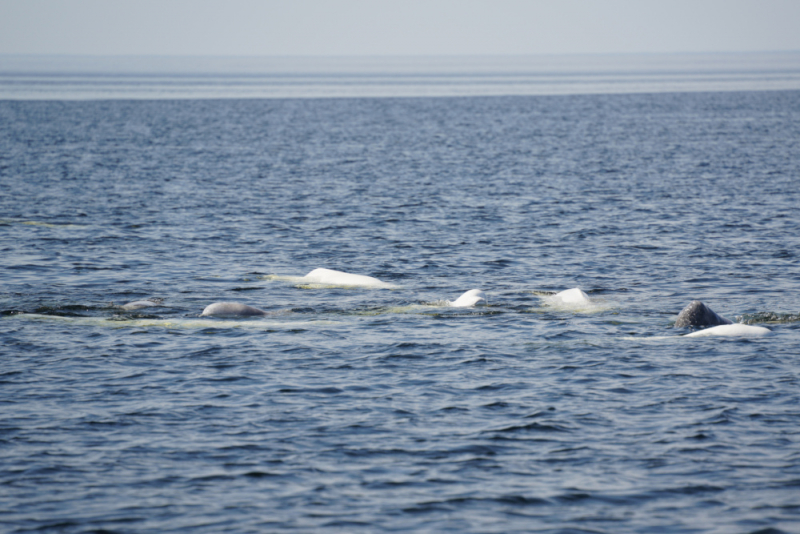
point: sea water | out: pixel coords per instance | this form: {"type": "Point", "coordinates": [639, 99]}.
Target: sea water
{"type": "Point", "coordinates": [350, 409]}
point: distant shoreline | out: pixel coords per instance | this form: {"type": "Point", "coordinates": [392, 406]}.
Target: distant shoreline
{"type": "Point", "coordinates": [37, 77]}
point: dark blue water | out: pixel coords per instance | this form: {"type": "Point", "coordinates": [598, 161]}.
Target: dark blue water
{"type": "Point", "coordinates": [375, 410]}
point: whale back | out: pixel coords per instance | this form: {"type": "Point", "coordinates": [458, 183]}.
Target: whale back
{"type": "Point", "coordinates": [732, 330]}
{"type": "Point", "coordinates": [469, 298]}
{"type": "Point", "coordinates": [232, 309]}
{"type": "Point", "coordinates": [698, 314]}
{"type": "Point", "coordinates": [572, 296]}
{"type": "Point", "coordinates": [339, 278]}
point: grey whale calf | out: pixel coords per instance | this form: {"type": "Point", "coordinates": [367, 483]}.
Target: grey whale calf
{"type": "Point", "coordinates": [698, 314]}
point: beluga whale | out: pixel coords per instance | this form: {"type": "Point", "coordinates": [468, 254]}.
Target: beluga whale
{"type": "Point", "coordinates": [139, 304]}
{"type": "Point", "coordinates": [469, 299]}
{"type": "Point", "coordinates": [232, 309]}
{"type": "Point", "coordinates": [330, 277]}
{"type": "Point", "coordinates": [732, 330]}
{"type": "Point", "coordinates": [574, 296]}
{"type": "Point", "coordinates": [697, 314]}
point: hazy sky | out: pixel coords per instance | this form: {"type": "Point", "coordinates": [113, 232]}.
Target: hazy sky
{"type": "Point", "coordinates": [395, 27]}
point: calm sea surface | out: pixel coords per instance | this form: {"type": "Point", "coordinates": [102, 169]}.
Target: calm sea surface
{"type": "Point", "coordinates": [382, 410]}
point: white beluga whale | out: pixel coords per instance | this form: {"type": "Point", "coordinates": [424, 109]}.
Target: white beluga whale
{"type": "Point", "coordinates": [469, 299]}
{"type": "Point", "coordinates": [572, 296]}
{"type": "Point", "coordinates": [232, 309]}
{"type": "Point", "coordinates": [139, 304]}
{"type": "Point", "coordinates": [338, 278]}
{"type": "Point", "coordinates": [698, 314]}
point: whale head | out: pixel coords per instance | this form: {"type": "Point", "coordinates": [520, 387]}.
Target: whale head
{"type": "Point", "coordinates": [470, 298]}
{"type": "Point", "coordinates": [698, 314]}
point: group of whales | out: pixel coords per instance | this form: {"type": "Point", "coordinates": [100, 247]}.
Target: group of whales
{"type": "Point", "coordinates": [695, 315]}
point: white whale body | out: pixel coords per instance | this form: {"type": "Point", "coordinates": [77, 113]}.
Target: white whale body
{"type": "Point", "coordinates": [732, 330]}
{"type": "Point", "coordinates": [468, 299]}
{"type": "Point", "coordinates": [339, 278]}
{"type": "Point", "coordinates": [232, 309]}
{"type": "Point", "coordinates": [572, 296]}
{"type": "Point", "coordinates": [139, 304]}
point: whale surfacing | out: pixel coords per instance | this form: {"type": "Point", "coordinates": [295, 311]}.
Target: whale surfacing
{"type": "Point", "coordinates": [338, 278]}
{"type": "Point", "coordinates": [232, 309]}
{"type": "Point", "coordinates": [572, 296]}
{"type": "Point", "coordinates": [139, 304]}
{"type": "Point", "coordinates": [571, 299]}
{"type": "Point", "coordinates": [468, 299]}
{"type": "Point", "coordinates": [732, 330]}
{"type": "Point", "coordinates": [698, 314]}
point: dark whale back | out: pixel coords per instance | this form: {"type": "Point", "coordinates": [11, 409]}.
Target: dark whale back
{"type": "Point", "coordinates": [698, 314]}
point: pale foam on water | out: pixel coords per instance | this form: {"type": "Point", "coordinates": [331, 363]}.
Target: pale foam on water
{"type": "Point", "coordinates": [257, 323]}
{"type": "Point", "coordinates": [573, 300]}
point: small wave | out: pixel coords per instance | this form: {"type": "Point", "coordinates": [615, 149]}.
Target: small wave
{"type": "Point", "coordinates": [436, 304]}
{"type": "Point", "coordinates": [532, 427]}
{"type": "Point", "coordinates": [768, 317]}
{"type": "Point", "coordinates": [41, 223]}
{"type": "Point", "coordinates": [67, 310]}
{"type": "Point", "coordinates": [651, 338]}
{"type": "Point", "coordinates": [513, 499]}
{"type": "Point", "coordinates": [369, 312]}
{"type": "Point", "coordinates": [282, 278]}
